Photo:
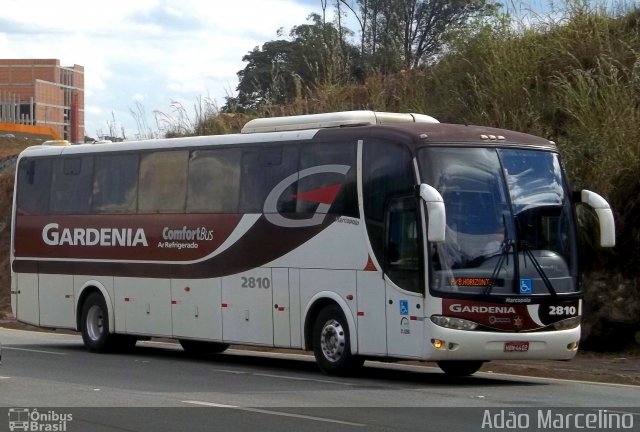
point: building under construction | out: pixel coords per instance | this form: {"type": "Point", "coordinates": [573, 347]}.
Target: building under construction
{"type": "Point", "coordinates": [41, 92]}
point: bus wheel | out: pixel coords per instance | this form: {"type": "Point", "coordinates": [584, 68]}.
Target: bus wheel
{"type": "Point", "coordinates": [459, 368]}
{"type": "Point", "coordinates": [200, 347]}
{"type": "Point", "coordinates": [332, 344]}
{"type": "Point", "coordinates": [94, 324]}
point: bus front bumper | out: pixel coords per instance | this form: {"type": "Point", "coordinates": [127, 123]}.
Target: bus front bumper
{"type": "Point", "coordinates": [450, 344]}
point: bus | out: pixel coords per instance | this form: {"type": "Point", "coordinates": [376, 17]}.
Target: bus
{"type": "Point", "coordinates": [356, 235]}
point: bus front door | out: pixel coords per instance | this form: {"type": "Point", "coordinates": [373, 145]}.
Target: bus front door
{"type": "Point", "coordinates": [403, 269]}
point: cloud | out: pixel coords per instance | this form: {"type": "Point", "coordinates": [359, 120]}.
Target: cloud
{"type": "Point", "coordinates": [147, 51]}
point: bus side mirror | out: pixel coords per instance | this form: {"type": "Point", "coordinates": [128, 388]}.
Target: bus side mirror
{"type": "Point", "coordinates": [605, 217]}
{"type": "Point", "coordinates": [435, 212]}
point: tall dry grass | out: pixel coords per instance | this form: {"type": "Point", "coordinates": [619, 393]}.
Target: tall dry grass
{"type": "Point", "coordinates": [572, 76]}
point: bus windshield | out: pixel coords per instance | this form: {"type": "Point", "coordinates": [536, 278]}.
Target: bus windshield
{"type": "Point", "coordinates": [510, 228]}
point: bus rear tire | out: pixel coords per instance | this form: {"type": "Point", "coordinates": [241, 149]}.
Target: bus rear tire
{"type": "Point", "coordinates": [94, 324]}
{"type": "Point", "coordinates": [332, 343]}
{"type": "Point", "coordinates": [201, 347]}
{"type": "Point", "coordinates": [460, 368]}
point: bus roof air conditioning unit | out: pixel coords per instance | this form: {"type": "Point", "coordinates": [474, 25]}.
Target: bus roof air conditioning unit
{"type": "Point", "coordinates": [330, 120]}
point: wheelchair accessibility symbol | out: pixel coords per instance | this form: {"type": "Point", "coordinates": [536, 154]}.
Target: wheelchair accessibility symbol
{"type": "Point", "coordinates": [526, 286]}
{"type": "Point", "coordinates": [404, 307]}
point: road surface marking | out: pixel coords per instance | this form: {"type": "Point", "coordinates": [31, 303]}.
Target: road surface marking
{"type": "Point", "coordinates": [4, 377]}
{"type": "Point", "coordinates": [34, 350]}
{"type": "Point", "coordinates": [286, 377]}
{"type": "Point", "coordinates": [235, 372]}
{"type": "Point", "coordinates": [276, 413]}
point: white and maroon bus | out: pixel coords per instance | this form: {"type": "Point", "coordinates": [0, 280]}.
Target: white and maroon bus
{"type": "Point", "coordinates": [356, 235]}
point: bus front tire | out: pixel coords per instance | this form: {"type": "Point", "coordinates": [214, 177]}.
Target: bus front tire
{"type": "Point", "coordinates": [201, 347]}
{"type": "Point", "coordinates": [332, 343]}
{"type": "Point", "coordinates": [460, 368]}
{"type": "Point", "coordinates": [94, 324]}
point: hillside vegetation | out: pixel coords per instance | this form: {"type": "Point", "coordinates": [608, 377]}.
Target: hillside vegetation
{"type": "Point", "coordinates": [574, 79]}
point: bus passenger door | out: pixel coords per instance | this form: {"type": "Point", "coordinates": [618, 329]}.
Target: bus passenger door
{"type": "Point", "coordinates": [403, 278]}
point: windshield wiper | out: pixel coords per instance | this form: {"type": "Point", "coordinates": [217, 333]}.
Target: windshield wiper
{"type": "Point", "coordinates": [524, 246]}
{"type": "Point", "coordinates": [507, 244]}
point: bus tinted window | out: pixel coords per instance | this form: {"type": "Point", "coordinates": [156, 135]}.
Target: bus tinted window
{"type": "Point", "coordinates": [115, 184]}
{"type": "Point", "coordinates": [214, 181]}
{"type": "Point", "coordinates": [388, 171]}
{"type": "Point", "coordinates": [328, 183]}
{"type": "Point", "coordinates": [163, 182]}
{"type": "Point", "coordinates": [34, 179]}
{"type": "Point", "coordinates": [262, 170]}
{"type": "Point", "coordinates": [71, 185]}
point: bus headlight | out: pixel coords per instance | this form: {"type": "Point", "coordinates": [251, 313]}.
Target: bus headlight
{"type": "Point", "coordinates": [453, 323]}
{"type": "Point", "coordinates": [568, 323]}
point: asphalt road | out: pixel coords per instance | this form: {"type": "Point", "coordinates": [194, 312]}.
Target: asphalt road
{"type": "Point", "coordinates": [159, 387]}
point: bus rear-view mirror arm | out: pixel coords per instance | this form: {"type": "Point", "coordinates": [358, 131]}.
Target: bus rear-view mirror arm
{"type": "Point", "coordinates": [436, 213]}
{"type": "Point", "coordinates": [604, 214]}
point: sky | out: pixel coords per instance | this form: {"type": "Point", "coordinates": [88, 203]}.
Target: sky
{"type": "Point", "coordinates": [153, 56]}
{"type": "Point", "coordinates": [144, 55]}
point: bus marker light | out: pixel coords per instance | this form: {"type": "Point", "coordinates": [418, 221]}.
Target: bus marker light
{"type": "Point", "coordinates": [224, 305]}
{"type": "Point", "coordinates": [187, 289]}
{"type": "Point", "coordinates": [126, 299]}
{"type": "Point", "coordinates": [438, 344]}
{"type": "Point", "coordinates": [174, 302]}
{"type": "Point", "coordinates": [349, 297]}
{"type": "Point", "coordinates": [360, 313]}
{"type": "Point", "coordinates": [281, 309]}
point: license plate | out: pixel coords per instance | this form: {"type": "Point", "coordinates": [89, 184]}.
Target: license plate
{"type": "Point", "coordinates": [516, 346]}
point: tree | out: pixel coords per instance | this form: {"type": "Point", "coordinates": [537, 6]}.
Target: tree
{"type": "Point", "coordinates": [411, 32]}
{"type": "Point", "coordinates": [282, 70]}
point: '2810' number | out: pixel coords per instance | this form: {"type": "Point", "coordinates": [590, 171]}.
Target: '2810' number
{"type": "Point", "coordinates": [253, 282]}
{"type": "Point", "coordinates": [562, 310]}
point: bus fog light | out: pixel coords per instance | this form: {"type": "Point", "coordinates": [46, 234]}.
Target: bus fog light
{"type": "Point", "coordinates": [438, 344]}
{"type": "Point", "coordinates": [568, 323]}
{"type": "Point", "coordinates": [572, 346]}
{"type": "Point", "coordinates": [453, 323]}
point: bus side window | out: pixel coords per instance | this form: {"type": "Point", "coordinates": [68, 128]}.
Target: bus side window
{"type": "Point", "coordinates": [388, 170]}
{"type": "Point", "coordinates": [214, 181]}
{"type": "Point", "coordinates": [318, 154]}
{"type": "Point", "coordinates": [163, 182]}
{"type": "Point", "coordinates": [115, 184]}
{"type": "Point", "coordinates": [262, 170]}
{"type": "Point", "coordinates": [71, 185]}
{"type": "Point", "coordinates": [34, 179]}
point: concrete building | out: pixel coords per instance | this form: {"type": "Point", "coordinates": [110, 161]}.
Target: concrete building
{"type": "Point", "coordinates": [41, 92]}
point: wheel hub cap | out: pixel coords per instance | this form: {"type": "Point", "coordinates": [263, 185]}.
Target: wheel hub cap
{"type": "Point", "coordinates": [333, 341]}
{"type": "Point", "coordinates": [95, 323]}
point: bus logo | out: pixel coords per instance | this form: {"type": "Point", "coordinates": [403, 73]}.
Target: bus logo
{"type": "Point", "coordinates": [18, 419]}
{"type": "Point", "coordinates": [324, 197]}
